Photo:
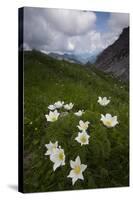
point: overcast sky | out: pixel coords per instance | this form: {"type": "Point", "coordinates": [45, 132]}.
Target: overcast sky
{"type": "Point", "coordinates": [71, 31]}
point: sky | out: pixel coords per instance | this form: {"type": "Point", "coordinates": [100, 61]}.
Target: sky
{"type": "Point", "coordinates": [71, 31]}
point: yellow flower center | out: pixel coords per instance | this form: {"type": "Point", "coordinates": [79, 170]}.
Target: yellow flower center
{"type": "Point", "coordinates": [108, 123]}
{"type": "Point", "coordinates": [61, 156]}
{"type": "Point", "coordinates": [83, 139]}
{"type": "Point", "coordinates": [77, 169]}
{"type": "Point", "coordinates": [54, 118]}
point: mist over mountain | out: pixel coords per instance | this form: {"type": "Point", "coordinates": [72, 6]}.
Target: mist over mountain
{"type": "Point", "coordinates": [68, 57]}
{"type": "Point", "coordinates": [80, 58]}
{"type": "Point", "coordinates": [86, 57]}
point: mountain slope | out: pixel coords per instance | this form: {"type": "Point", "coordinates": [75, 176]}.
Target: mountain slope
{"type": "Point", "coordinates": [47, 80]}
{"type": "Point", "coordinates": [115, 58]}
{"type": "Point", "coordinates": [80, 58]}
{"type": "Point", "coordinates": [68, 57]}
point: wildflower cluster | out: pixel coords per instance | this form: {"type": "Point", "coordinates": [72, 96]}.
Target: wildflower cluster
{"type": "Point", "coordinates": [56, 153]}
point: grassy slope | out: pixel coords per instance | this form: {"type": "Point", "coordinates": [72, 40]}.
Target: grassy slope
{"type": "Point", "coordinates": [47, 80]}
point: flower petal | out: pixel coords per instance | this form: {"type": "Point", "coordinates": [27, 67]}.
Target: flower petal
{"type": "Point", "coordinates": [102, 117]}
{"type": "Point", "coordinates": [56, 165]}
{"type": "Point", "coordinates": [78, 162]}
{"type": "Point", "coordinates": [74, 180]}
{"type": "Point", "coordinates": [72, 164]}
{"type": "Point", "coordinates": [81, 123]}
{"type": "Point", "coordinates": [79, 127]}
{"type": "Point", "coordinates": [108, 116]}
{"type": "Point", "coordinates": [83, 167]}
{"type": "Point", "coordinates": [71, 174]}
{"type": "Point", "coordinates": [80, 176]}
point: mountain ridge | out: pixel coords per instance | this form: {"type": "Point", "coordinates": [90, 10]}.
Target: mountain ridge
{"type": "Point", "coordinates": [68, 57]}
{"type": "Point", "coordinates": [115, 58]}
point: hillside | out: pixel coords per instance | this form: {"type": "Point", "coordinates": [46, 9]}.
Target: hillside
{"type": "Point", "coordinates": [67, 57]}
{"type": "Point", "coordinates": [47, 80]}
{"type": "Point", "coordinates": [115, 58]}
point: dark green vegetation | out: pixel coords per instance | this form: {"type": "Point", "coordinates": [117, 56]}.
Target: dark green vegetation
{"type": "Point", "coordinates": [46, 81]}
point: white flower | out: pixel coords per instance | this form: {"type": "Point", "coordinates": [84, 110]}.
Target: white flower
{"type": "Point", "coordinates": [53, 116]}
{"type": "Point", "coordinates": [69, 106]}
{"type": "Point", "coordinates": [83, 138]}
{"type": "Point", "coordinates": [51, 107]}
{"type": "Point", "coordinates": [83, 125]}
{"type": "Point", "coordinates": [59, 104]}
{"type": "Point", "coordinates": [51, 147]}
{"type": "Point", "coordinates": [79, 113]}
{"type": "Point", "coordinates": [103, 101]}
{"type": "Point", "coordinates": [77, 170]}
{"type": "Point", "coordinates": [108, 120]}
{"type": "Point", "coordinates": [58, 158]}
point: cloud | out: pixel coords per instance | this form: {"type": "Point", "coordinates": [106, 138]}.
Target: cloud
{"type": "Point", "coordinates": [37, 33]}
{"type": "Point", "coordinates": [69, 31]}
{"type": "Point", "coordinates": [70, 22]}
{"type": "Point", "coordinates": [71, 46]}
{"type": "Point", "coordinates": [118, 21]}
{"type": "Point", "coordinates": [91, 42]}
{"type": "Point", "coordinates": [52, 29]}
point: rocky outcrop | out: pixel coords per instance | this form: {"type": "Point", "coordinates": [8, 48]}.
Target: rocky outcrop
{"type": "Point", "coordinates": [115, 58]}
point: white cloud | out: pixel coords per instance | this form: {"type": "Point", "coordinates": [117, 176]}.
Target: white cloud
{"type": "Point", "coordinates": [70, 22]}
{"type": "Point", "coordinates": [118, 21]}
{"type": "Point", "coordinates": [71, 46]}
{"type": "Point", "coordinates": [60, 30]}
{"type": "Point", "coordinates": [91, 42]}
{"type": "Point", "coordinates": [53, 29]}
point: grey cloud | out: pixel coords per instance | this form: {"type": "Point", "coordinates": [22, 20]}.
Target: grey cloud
{"type": "Point", "coordinates": [70, 22]}
{"type": "Point", "coordinates": [51, 29]}
{"type": "Point", "coordinates": [74, 31]}
{"type": "Point", "coordinates": [36, 30]}
{"type": "Point", "coordinates": [118, 21]}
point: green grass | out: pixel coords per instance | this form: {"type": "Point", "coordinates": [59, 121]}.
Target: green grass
{"type": "Point", "coordinates": [46, 81]}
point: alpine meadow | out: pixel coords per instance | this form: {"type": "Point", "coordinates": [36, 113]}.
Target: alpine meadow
{"type": "Point", "coordinates": [46, 81]}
